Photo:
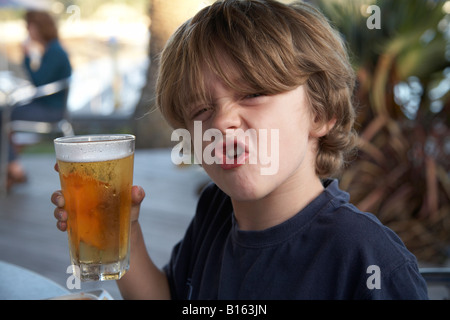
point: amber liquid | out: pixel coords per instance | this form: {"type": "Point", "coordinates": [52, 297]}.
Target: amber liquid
{"type": "Point", "coordinates": [98, 202]}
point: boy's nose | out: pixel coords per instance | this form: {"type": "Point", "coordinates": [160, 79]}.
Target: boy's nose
{"type": "Point", "coordinates": [227, 117]}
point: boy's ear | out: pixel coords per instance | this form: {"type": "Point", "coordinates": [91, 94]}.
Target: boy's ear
{"type": "Point", "coordinates": [320, 129]}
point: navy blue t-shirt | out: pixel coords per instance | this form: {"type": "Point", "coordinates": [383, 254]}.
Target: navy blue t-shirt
{"type": "Point", "coordinates": [329, 250]}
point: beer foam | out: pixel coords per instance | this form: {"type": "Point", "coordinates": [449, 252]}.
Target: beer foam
{"type": "Point", "coordinates": [93, 148]}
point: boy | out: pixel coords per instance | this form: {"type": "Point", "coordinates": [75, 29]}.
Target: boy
{"type": "Point", "coordinates": [267, 68]}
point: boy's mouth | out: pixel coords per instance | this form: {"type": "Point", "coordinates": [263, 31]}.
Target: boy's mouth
{"type": "Point", "coordinates": [235, 151]}
{"type": "Point", "coordinates": [233, 154]}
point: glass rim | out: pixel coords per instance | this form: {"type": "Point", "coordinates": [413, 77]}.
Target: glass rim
{"type": "Point", "coordinates": [95, 138]}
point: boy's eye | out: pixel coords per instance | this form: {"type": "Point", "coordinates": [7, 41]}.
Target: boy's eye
{"type": "Point", "coordinates": [201, 113]}
{"type": "Point", "coordinates": [252, 96]}
{"type": "Point", "coordinates": [254, 99]}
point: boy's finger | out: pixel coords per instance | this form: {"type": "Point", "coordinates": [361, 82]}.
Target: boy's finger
{"type": "Point", "coordinates": [58, 199]}
{"type": "Point", "coordinates": [61, 225]}
{"type": "Point", "coordinates": [60, 214]}
{"type": "Point", "coordinates": [137, 195]}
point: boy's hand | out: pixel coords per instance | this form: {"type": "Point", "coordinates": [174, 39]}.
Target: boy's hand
{"type": "Point", "coordinates": [60, 214]}
{"type": "Point", "coordinates": [137, 195]}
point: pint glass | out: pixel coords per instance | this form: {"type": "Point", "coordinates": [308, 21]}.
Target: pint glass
{"type": "Point", "coordinates": [96, 174]}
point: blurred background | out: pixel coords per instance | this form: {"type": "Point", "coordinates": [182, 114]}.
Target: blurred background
{"type": "Point", "coordinates": [401, 53]}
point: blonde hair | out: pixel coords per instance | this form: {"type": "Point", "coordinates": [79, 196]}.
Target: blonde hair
{"type": "Point", "coordinates": [274, 48]}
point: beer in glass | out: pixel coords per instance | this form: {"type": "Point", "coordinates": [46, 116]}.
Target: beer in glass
{"type": "Point", "coordinates": [96, 174]}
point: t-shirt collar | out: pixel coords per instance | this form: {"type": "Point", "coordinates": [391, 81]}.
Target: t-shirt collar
{"type": "Point", "coordinates": [287, 229]}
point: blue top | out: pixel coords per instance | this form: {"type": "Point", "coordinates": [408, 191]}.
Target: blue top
{"type": "Point", "coordinates": [329, 250]}
{"type": "Point", "coordinates": [55, 65]}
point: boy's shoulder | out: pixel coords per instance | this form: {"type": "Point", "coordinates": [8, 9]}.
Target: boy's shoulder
{"type": "Point", "coordinates": [343, 215]}
{"type": "Point", "coordinates": [345, 226]}
{"type": "Point", "coordinates": [346, 219]}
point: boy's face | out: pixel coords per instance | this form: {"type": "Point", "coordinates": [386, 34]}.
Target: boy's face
{"type": "Point", "coordinates": [266, 143]}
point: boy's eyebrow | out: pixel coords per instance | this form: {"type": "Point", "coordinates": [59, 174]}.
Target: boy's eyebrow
{"type": "Point", "coordinates": [194, 99]}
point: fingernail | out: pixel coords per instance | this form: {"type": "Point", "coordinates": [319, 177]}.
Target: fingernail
{"type": "Point", "coordinates": [140, 190]}
{"type": "Point", "coordinates": [59, 200]}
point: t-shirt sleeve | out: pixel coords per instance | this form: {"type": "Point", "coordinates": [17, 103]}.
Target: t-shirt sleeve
{"type": "Point", "coordinates": [376, 260]}
{"type": "Point", "coordinates": [169, 271]}
{"type": "Point", "coordinates": [177, 268]}
{"type": "Point", "coordinates": [403, 283]}
{"type": "Point", "coordinates": [406, 282]}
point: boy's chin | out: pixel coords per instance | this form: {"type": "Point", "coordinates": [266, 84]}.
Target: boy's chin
{"type": "Point", "coordinates": [242, 184]}
{"type": "Point", "coordinates": [247, 192]}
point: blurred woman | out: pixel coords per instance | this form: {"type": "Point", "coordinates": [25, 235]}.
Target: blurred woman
{"type": "Point", "coordinates": [45, 61]}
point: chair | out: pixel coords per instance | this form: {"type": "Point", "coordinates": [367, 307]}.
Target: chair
{"type": "Point", "coordinates": [39, 127]}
